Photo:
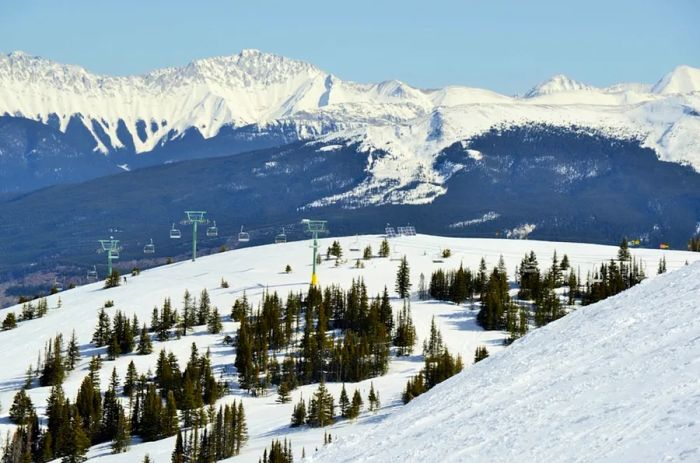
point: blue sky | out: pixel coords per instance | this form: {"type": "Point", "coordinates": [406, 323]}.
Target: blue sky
{"type": "Point", "coordinates": [507, 46]}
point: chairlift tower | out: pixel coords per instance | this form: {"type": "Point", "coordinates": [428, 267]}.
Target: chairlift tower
{"type": "Point", "coordinates": [195, 218]}
{"type": "Point", "coordinates": [111, 247]}
{"type": "Point", "coordinates": [315, 227]}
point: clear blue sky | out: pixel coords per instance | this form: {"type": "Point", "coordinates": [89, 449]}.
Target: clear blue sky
{"type": "Point", "coordinates": [506, 46]}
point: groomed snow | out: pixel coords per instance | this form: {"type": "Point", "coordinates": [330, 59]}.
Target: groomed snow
{"type": "Point", "coordinates": [618, 381]}
{"type": "Point", "coordinates": [257, 269]}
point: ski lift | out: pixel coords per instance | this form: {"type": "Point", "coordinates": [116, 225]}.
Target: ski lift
{"type": "Point", "coordinates": [281, 238]}
{"type": "Point", "coordinates": [115, 253]}
{"type": "Point", "coordinates": [149, 248]}
{"type": "Point", "coordinates": [389, 231]}
{"type": "Point", "coordinates": [92, 274]}
{"type": "Point", "coordinates": [57, 285]}
{"type": "Point", "coordinates": [213, 231]}
{"type": "Point", "coordinates": [175, 233]}
{"type": "Point", "coordinates": [243, 237]}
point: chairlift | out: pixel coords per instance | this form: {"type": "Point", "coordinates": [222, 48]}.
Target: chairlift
{"type": "Point", "coordinates": [57, 284]}
{"type": "Point", "coordinates": [213, 230]}
{"type": "Point", "coordinates": [92, 274]}
{"type": "Point", "coordinates": [281, 238]}
{"type": "Point", "coordinates": [175, 233]}
{"type": "Point", "coordinates": [149, 248]}
{"type": "Point", "coordinates": [389, 231]}
{"type": "Point", "coordinates": [243, 237]}
{"type": "Point", "coordinates": [115, 253]}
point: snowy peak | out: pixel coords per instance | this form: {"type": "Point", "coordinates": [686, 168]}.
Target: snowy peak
{"type": "Point", "coordinates": [683, 79]}
{"type": "Point", "coordinates": [557, 84]}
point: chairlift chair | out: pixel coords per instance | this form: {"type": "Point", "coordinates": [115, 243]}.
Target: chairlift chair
{"type": "Point", "coordinates": [355, 245]}
{"type": "Point", "coordinates": [149, 248]}
{"type": "Point", "coordinates": [213, 230]}
{"type": "Point", "coordinates": [243, 237]}
{"type": "Point", "coordinates": [57, 284]}
{"type": "Point", "coordinates": [92, 274]}
{"type": "Point", "coordinates": [175, 233]}
{"type": "Point", "coordinates": [281, 238]}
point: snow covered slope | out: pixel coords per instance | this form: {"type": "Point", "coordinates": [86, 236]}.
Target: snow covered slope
{"type": "Point", "coordinates": [143, 113]}
{"type": "Point", "coordinates": [618, 381]}
{"type": "Point", "coordinates": [258, 269]}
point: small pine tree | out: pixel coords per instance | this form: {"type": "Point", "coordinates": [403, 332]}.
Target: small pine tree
{"type": "Point", "coordinates": [10, 321]}
{"type": "Point", "coordinates": [384, 248]}
{"type": "Point", "coordinates": [367, 253]}
{"type": "Point", "coordinates": [355, 405]}
{"type": "Point", "coordinates": [113, 280]}
{"type": "Point", "coordinates": [344, 403]}
{"type": "Point", "coordinates": [299, 414]}
{"type": "Point", "coordinates": [403, 279]}
{"type": "Point", "coordinates": [122, 438]}
{"type": "Point", "coordinates": [373, 399]}
{"type": "Point", "coordinates": [662, 266]}
{"type": "Point", "coordinates": [214, 323]}
{"type": "Point", "coordinates": [288, 269]}
{"type": "Point", "coordinates": [145, 345]}
{"type": "Point", "coordinates": [480, 354]}
{"type": "Point", "coordinates": [22, 409]}
{"type": "Point", "coordinates": [283, 393]}
{"type": "Point", "coordinates": [73, 353]}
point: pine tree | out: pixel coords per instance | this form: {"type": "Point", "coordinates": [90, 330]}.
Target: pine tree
{"type": "Point", "coordinates": [145, 346]}
{"type": "Point", "coordinates": [384, 249]}
{"type": "Point", "coordinates": [403, 279]}
{"type": "Point", "coordinates": [170, 421]}
{"type": "Point", "coordinates": [480, 354]}
{"type": "Point", "coordinates": [73, 353]}
{"type": "Point", "coordinates": [122, 438]}
{"type": "Point", "coordinates": [203, 312]}
{"type": "Point", "coordinates": [130, 380]}
{"type": "Point", "coordinates": [355, 406]}
{"type": "Point", "coordinates": [344, 403]}
{"type": "Point", "coordinates": [299, 414]}
{"type": "Point", "coordinates": [113, 280]}
{"type": "Point", "coordinates": [103, 331]}
{"type": "Point", "coordinates": [10, 321]}
{"type": "Point", "coordinates": [22, 409]}
{"type": "Point", "coordinates": [321, 407]}
{"type": "Point", "coordinates": [283, 393]}
{"type": "Point", "coordinates": [623, 253]}
{"type": "Point", "coordinates": [662, 266]}
{"type": "Point", "coordinates": [214, 324]}
{"type": "Point", "coordinates": [367, 253]}
{"type": "Point", "coordinates": [405, 337]}
{"type": "Point", "coordinates": [77, 441]}
{"type": "Point", "coordinates": [373, 398]}
{"type": "Point", "coordinates": [178, 455]}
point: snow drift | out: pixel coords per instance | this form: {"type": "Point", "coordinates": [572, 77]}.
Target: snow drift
{"type": "Point", "coordinates": [616, 381]}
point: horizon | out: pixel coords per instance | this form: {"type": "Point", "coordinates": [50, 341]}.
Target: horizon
{"type": "Point", "coordinates": [264, 52]}
{"type": "Point", "coordinates": [507, 47]}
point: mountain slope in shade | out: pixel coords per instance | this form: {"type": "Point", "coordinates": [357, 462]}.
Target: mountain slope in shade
{"type": "Point", "coordinates": [617, 381]}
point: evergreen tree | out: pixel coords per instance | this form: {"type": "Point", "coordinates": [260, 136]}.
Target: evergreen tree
{"type": "Point", "coordinates": [373, 398]}
{"type": "Point", "coordinates": [405, 337]}
{"type": "Point", "coordinates": [77, 441]}
{"type": "Point", "coordinates": [344, 402]}
{"type": "Point", "coordinates": [403, 279]}
{"type": "Point", "coordinates": [73, 353]}
{"type": "Point", "coordinates": [122, 438]}
{"type": "Point", "coordinates": [145, 346]}
{"type": "Point", "coordinates": [623, 253]}
{"type": "Point", "coordinates": [103, 331]}
{"type": "Point", "coordinates": [170, 419]}
{"type": "Point", "coordinates": [662, 266]}
{"type": "Point", "coordinates": [299, 413]}
{"type": "Point", "coordinates": [113, 279]}
{"type": "Point", "coordinates": [355, 406]}
{"type": "Point", "coordinates": [283, 393]}
{"type": "Point", "coordinates": [130, 380]}
{"type": "Point", "coordinates": [321, 407]}
{"type": "Point", "coordinates": [214, 323]}
{"type": "Point", "coordinates": [9, 322]}
{"type": "Point", "coordinates": [384, 249]}
{"type": "Point", "coordinates": [22, 409]}
{"type": "Point", "coordinates": [178, 455]}
{"type": "Point", "coordinates": [367, 253]}
{"type": "Point", "coordinates": [480, 354]}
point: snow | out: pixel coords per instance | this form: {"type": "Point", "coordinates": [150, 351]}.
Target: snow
{"type": "Point", "coordinates": [258, 269]}
{"type": "Point", "coordinates": [617, 381]}
{"type": "Point", "coordinates": [410, 125]}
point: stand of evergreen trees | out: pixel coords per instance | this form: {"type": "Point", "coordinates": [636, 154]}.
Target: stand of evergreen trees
{"type": "Point", "coordinates": [694, 244]}
{"type": "Point", "coordinates": [280, 452]}
{"type": "Point", "coordinates": [327, 334]}
{"type": "Point", "coordinates": [439, 365]}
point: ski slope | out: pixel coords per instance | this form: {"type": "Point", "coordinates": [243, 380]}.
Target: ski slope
{"type": "Point", "coordinates": [618, 381]}
{"type": "Point", "coordinates": [257, 269]}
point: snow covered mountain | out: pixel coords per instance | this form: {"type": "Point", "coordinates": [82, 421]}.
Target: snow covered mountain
{"type": "Point", "coordinates": [254, 99]}
{"type": "Point", "coordinates": [614, 382]}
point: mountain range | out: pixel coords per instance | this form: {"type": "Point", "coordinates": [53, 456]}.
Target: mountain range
{"type": "Point", "coordinates": [262, 141]}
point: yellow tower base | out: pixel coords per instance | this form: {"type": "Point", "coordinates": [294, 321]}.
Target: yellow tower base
{"type": "Point", "coordinates": [314, 279]}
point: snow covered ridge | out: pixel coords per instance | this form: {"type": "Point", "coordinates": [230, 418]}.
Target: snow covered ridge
{"type": "Point", "coordinates": [613, 382]}
{"type": "Point", "coordinates": [410, 125]}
